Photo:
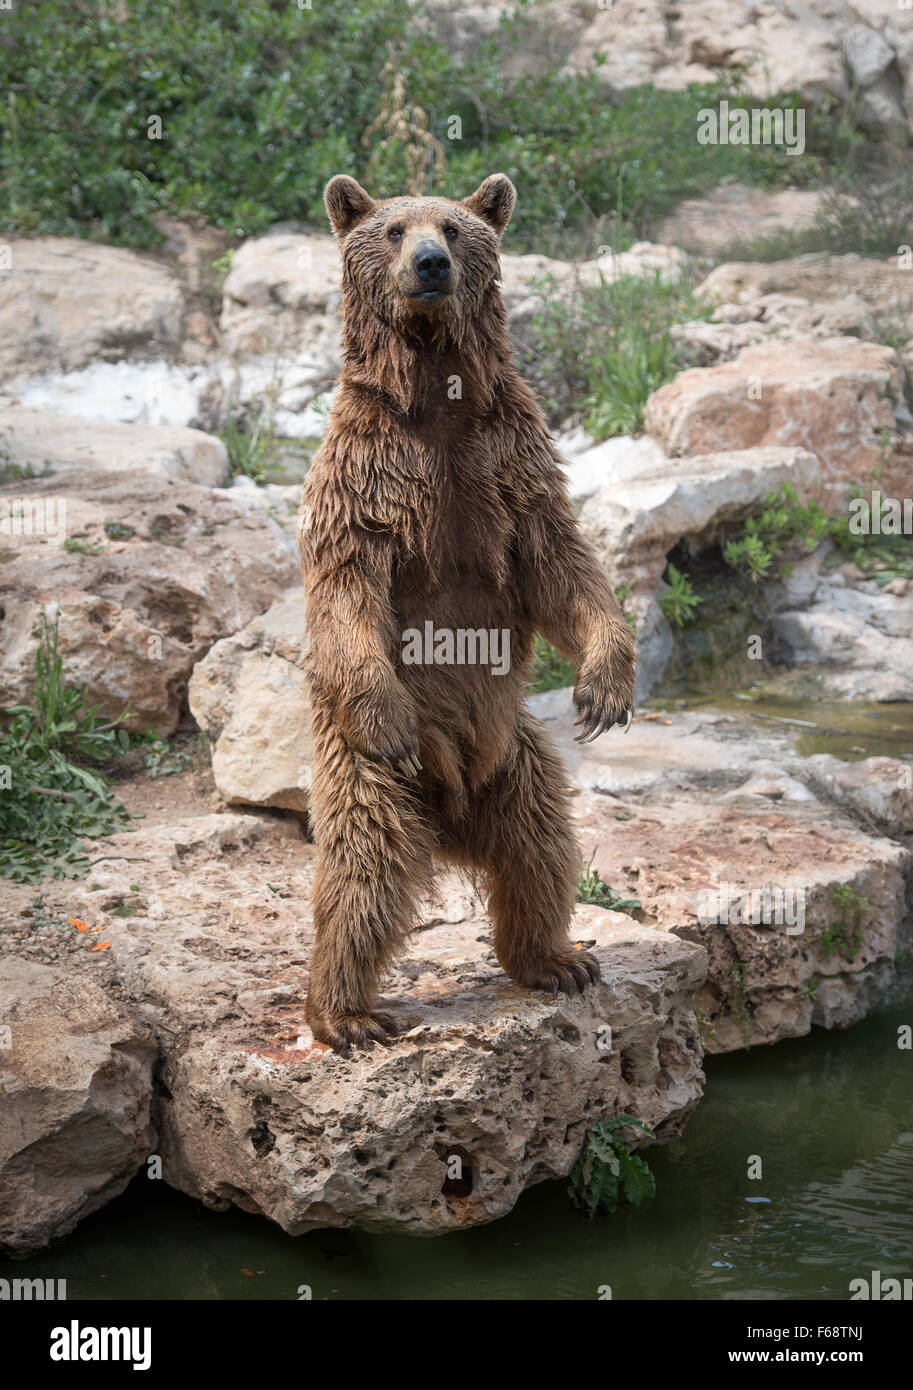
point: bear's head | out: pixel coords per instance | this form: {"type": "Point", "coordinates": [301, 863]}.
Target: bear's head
{"type": "Point", "coordinates": [413, 259]}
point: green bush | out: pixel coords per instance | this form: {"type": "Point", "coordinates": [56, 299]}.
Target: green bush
{"type": "Point", "coordinates": [53, 793]}
{"type": "Point", "coordinates": [604, 348]}
{"type": "Point", "coordinates": [784, 520]}
{"type": "Point", "coordinates": [261, 103]}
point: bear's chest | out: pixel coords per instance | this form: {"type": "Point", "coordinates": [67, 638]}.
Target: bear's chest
{"type": "Point", "coordinates": [467, 526]}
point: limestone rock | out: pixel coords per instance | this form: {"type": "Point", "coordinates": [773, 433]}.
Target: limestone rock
{"type": "Point", "coordinates": [689, 807]}
{"type": "Point", "coordinates": [155, 572]}
{"type": "Point", "coordinates": [282, 292]}
{"type": "Point", "coordinates": [860, 634]}
{"type": "Point", "coordinates": [41, 441]}
{"type": "Point", "coordinates": [66, 303]}
{"type": "Point", "coordinates": [736, 212]}
{"type": "Point", "coordinates": [174, 395]}
{"type": "Point", "coordinates": [802, 296]}
{"type": "Point", "coordinates": [596, 467]}
{"type": "Point", "coordinates": [250, 697]}
{"type": "Point", "coordinates": [833, 395]}
{"type": "Point", "coordinates": [258, 1115]}
{"type": "Point", "coordinates": [76, 1084]}
{"type": "Point", "coordinates": [632, 527]}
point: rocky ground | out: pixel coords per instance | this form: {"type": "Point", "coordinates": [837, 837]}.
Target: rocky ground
{"type": "Point", "coordinates": [155, 1006]}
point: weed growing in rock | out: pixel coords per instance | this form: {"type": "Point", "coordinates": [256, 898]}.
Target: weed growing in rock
{"type": "Point", "coordinates": [250, 444]}
{"type": "Point", "coordinates": [606, 1174]}
{"type": "Point", "coordinates": [847, 934]}
{"type": "Point", "coordinates": [766, 537]}
{"type": "Point", "coordinates": [53, 794]}
{"type": "Point", "coordinates": [591, 888]}
{"type": "Point", "coordinates": [679, 603]}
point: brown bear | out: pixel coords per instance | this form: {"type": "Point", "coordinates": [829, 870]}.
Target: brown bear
{"type": "Point", "coordinates": [437, 507]}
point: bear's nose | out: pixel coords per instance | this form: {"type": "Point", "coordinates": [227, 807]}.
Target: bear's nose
{"type": "Point", "coordinates": [432, 266]}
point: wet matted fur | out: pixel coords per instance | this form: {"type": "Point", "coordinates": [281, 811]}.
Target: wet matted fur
{"type": "Point", "coordinates": [437, 496]}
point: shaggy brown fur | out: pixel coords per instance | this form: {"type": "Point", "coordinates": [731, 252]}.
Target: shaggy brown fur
{"type": "Point", "coordinates": [437, 496]}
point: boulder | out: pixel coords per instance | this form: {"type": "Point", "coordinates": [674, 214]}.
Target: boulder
{"type": "Point", "coordinates": [835, 396]}
{"type": "Point", "coordinates": [76, 1079]}
{"type": "Point", "coordinates": [694, 813]}
{"type": "Point", "coordinates": [256, 1114]}
{"type": "Point", "coordinates": [813, 294]}
{"type": "Point", "coordinates": [635, 522]}
{"type": "Point", "coordinates": [860, 635]}
{"type": "Point", "coordinates": [65, 304]}
{"type": "Point", "coordinates": [595, 467]}
{"type": "Point", "coordinates": [737, 212]}
{"type": "Point", "coordinates": [145, 573]}
{"type": "Point", "coordinates": [250, 697]}
{"type": "Point", "coordinates": [38, 440]}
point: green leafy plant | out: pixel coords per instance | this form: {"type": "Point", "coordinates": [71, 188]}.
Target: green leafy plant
{"type": "Point", "coordinates": [77, 546]}
{"type": "Point", "coordinates": [604, 347]}
{"type": "Point", "coordinates": [591, 888]}
{"type": "Point", "coordinates": [605, 1173]}
{"type": "Point", "coordinates": [679, 603]}
{"type": "Point", "coordinates": [783, 520]}
{"type": "Point", "coordinates": [162, 761]}
{"type": "Point", "coordinates": [54, 794]}
{"type": "Point", "coordinates": [261, 104]}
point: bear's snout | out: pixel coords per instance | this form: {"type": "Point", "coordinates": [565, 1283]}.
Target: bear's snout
{"type": "Point", "coordinates": [432, 266]}
{"type": "Point", "coordinates": [427, 274]}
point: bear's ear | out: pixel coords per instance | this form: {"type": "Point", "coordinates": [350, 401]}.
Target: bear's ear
{"type": "Point", "coordinates": [346, 203]}
{"type": "Point", "coordinates": [493, 201]}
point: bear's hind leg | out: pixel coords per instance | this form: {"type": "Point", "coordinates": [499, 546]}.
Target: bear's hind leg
{"type": "Point", "coordinates": [373, 856]}
{"type": "Point", "coordinates": [516, 828]}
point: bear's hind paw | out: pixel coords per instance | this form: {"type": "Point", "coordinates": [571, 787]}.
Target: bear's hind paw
{"type": "Point", "coordinates": [343, 1031]}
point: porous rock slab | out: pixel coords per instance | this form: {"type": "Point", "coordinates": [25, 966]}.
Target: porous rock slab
{"type": "Point", "coordinates": [250, 696]}
{"type": "Point", "coordinates": [834, 396]}
{"type": "Point", "coordinates": [75, 1094]}
{"type": "Point", "coordinates": [42, 440]}
{"type": "Point", "coordinates": [255, 1113]}
{"type": "Point", "coordinates": [138, 604]}
{"type": "Point", "coordinates": [691, 802]}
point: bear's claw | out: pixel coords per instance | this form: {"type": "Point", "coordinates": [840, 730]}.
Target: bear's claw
{"type": "Point", "coordinates": [566, 974]}
{"type": "Point", "coordinates": [594, 724]}
{"type": "Point", "coordinates": [354, 1030]}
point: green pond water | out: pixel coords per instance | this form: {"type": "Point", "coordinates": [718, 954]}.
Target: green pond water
{"type": "Point", "coordinates": [792, 703]}
{"type": "Point", "coordinates": [830, 1116]}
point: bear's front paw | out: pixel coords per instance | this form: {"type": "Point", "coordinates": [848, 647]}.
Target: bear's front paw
{"type": "Point", "coordinates": [343, 1031]}
{"type": "Point", "coordinates": [386, 730]}
{"type": "Point", "coordinates": [604, 693]}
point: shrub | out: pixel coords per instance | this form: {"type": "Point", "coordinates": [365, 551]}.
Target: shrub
{"type": "Point", "coordinates": [679, 603]}
{"type": "Point", "coordinates": [261, 103]}
{"type": "Point", "coordinates": [606, 1173]}
{"type": "Point", "coordinates": [55, 794]}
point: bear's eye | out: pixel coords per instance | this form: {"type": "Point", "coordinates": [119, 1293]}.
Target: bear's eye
{"type": "Point", "coordinates": [395, 233]}
{"type": "Point", "coordinates": [451, 233]}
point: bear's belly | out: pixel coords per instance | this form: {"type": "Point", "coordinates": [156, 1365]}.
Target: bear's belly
{"type": "Point", "coordinates": [464, 658]}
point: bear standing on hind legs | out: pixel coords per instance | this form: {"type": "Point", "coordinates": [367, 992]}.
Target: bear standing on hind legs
{"type": "Point", "coordinates": [437, 506]}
